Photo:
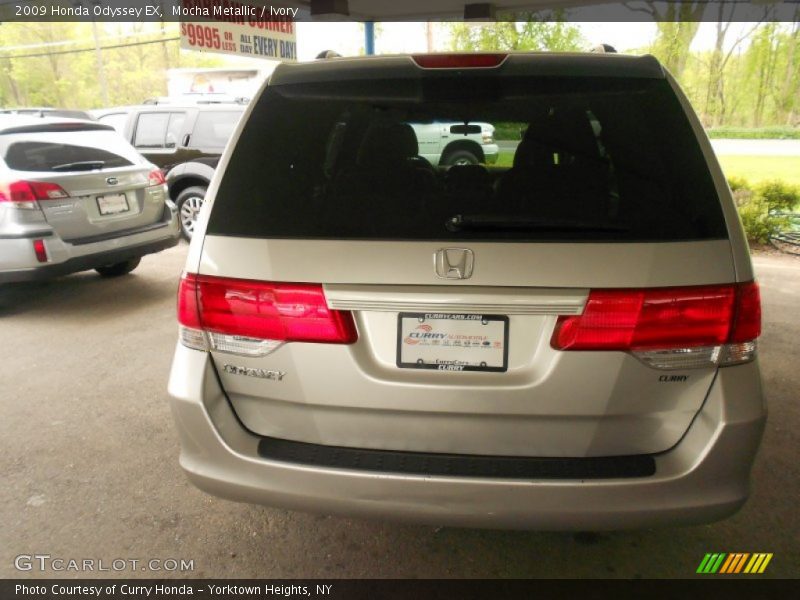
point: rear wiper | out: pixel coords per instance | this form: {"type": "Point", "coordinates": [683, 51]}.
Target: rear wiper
{"type": "Point", "coordinates": [84, 165]}
{"type": "Point", "coordinates": [511, 223]}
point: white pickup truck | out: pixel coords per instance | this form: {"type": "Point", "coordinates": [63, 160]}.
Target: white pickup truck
{"type": "Point", "coordinates": [451, 143]}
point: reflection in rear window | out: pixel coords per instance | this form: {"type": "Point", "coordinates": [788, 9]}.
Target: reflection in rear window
{"type": "Point", "coordinates": [75, 151]}
{"type": "Point", "coordinates": [580, 159]}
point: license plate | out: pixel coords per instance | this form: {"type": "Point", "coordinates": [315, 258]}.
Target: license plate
{"type": "Point", "coordinates": [113, 204]}
{"type": "Point", "coordinates": [452, 342]}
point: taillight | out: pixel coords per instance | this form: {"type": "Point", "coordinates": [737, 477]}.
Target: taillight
{"type": "Point", "coordinates": [24, 194]}
{"type": "Point", "coordinates": [156, 178]}
{"type": "Point", "coordinates": [40, 250]}
{"type": "Point", "coordinates": [458, 61]}
{"type": "Point", "coordinates": [668, 327]}
{"type": "Point", "coordinates": [747, 318]}
{"type": "Point", "coordinates": [188, 311]}
{"type": "Point", "coordinates": [254, 317]}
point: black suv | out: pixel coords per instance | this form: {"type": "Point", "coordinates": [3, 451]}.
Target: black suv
{"type": "Point", "coordinates": [186, 141]}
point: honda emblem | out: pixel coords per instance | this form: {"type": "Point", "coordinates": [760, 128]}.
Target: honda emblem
{"type": "Point", "coordinates": [453, 263]}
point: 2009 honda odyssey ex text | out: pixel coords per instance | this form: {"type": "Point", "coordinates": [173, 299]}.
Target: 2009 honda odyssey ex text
{"type": "Point", "coordinates": [565, 339]}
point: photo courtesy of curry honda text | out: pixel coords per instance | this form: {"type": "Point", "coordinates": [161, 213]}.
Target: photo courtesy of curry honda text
{"type": "Point", "coordinates": [76, 196]}
{"type": "Point", "coordinates": [560, 338]}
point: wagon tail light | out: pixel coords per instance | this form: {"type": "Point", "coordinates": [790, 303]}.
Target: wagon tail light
{"type": "Point", "coordinates": [25, 194]}
{"type": "Point", "coordinates": [253, 318]}
{"type": "Point", "coordinates": [668, 328]}
{"type": "Point", "coordinates": [156, 178]}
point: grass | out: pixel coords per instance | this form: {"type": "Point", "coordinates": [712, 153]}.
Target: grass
{"type": "Point", "coordinates": [757, 133]}
{"type": "Point", "coordinates": [762, 168]}
{"type": "Point", "coordinates": [505, 158]}
{"type": "Point", "coordinates": [752, 168]}
{"type": "Point", "coordinates": [512, 131]}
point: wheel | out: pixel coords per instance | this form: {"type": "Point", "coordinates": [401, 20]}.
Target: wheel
{"type": "Point", "coordinates": [120, 268]}
{"type": "Point", "coordinates": [189, 202]}
{"type": "Point", "coordinates": [461, 157]}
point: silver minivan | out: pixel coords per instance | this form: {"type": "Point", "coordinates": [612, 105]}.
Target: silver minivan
{"type": "Point", "coordinates": [565, 339]}
{"type": "Point", "coordinates": [74, 196]}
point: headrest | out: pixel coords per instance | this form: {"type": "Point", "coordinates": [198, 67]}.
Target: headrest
{"type": "Point", "coordinates": [463, 176]}
{"type": "Point", "coordinates": [531, 153]}
{"type": "Point", "coordinates": [387, 143]}
{"type": "Point", "coordinates": [567, 130]}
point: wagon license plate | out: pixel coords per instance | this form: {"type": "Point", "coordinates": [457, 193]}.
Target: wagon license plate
{"type": "Point", "coordinates": [113, 204]}
{"type": "Point", "coordinates": [452, 342]}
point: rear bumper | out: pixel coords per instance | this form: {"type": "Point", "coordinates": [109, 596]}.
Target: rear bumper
{"type": "Point", "coordinates": [66, 258]}
{"type": "Point", "coordinates": [705, 477]}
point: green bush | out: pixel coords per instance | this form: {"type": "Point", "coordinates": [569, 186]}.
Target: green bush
{"type": "Point", "coordinates": [738, 183]}
{"type": "Point", "coordinates": [759, 133]}
{"type": "Point", "coordinates": [508, 131]}
{"type": "Point", "coordinates": [779, 196]}
{"type": "Point", "coordinates": [757, 207]}
{"type": "Point", "coordinates": [758, 224]}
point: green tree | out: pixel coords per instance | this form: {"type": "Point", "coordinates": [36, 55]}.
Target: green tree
{"type": "Point", "coordinates": [788, 96]}
{"type": "Point", "coordinates": [677, 24]}
{"type": "Point", "coordinates": [715, 103]}
{"type": "Point", "coordinates": [521, 31]}
{"type": "Point", "coordinates": [38, 69]}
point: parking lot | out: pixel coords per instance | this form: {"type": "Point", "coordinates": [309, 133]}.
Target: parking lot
{"type": "Point", "coordinates": [89, 460]}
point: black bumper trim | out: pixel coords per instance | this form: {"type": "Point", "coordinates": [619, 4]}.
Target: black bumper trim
{"type": "Point", "coordinates": [456, 465]}
{"type": "Point", "coordinates": [28, 235]}
{"type": "Point", "coordinates": [86, 263]}
{"type": "Point", "coordinates": [104, 237]}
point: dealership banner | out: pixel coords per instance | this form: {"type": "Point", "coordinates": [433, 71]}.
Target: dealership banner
{"type": "Point", "coordinates": [259, 30]}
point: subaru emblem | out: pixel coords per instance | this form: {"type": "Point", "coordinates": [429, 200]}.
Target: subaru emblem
{"type": "Point", "coordinates": [453, 263]}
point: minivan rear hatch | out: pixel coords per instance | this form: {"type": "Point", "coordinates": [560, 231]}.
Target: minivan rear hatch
{"type": "Point", "coordinates": [457, 280]}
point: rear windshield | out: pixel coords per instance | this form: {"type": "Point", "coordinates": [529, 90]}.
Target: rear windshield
{"type": "Point", "coordinates": [66, 151]}
{"type": "Point", "coordinates": [469, 158]}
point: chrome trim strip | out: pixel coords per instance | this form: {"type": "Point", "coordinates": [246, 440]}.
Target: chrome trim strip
{"type": "Point", "coordinates": [478, 300]}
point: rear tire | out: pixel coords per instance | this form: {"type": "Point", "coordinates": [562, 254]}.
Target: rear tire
{"type": "Point", "coordinates": [461, 157]}
{"type": "Point", "coordinates": [120, 268]}
{"type": "Point", "coordinates": [189, 202]}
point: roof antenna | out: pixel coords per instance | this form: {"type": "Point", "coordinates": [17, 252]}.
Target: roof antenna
{"type": "Point", "coordinates": [328, 54]}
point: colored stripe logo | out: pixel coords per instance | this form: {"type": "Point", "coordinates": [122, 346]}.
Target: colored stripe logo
{"type": "Point", "coordinates": [733, 563]}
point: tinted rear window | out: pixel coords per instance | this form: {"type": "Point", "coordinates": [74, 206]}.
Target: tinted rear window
{"type": "Point", "coordinates": [214, 128]}
{"type": "Point", "coordinates": [73, 151]}
{"type": "Point", "coordinates": [159, 129]}
{"type": "Point", "coordinates": [585, 159]}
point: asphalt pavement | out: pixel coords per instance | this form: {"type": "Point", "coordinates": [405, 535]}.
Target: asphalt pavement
{"type": "Point", "coordinates": [89, 462]}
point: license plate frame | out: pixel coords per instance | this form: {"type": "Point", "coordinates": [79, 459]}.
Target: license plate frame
{"type": "Point", "coordinates": [116, 207]}
{"type": "Point", "coordinates": [448, 323]}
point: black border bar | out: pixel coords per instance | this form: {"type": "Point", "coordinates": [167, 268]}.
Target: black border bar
{"type": "Point", "coordinates": [396, 589]}
{"type": "Point", "coordinates": [397, 11]}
